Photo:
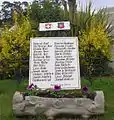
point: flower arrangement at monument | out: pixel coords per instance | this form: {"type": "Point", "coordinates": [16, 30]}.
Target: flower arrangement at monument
{"type": "Point", "coordinates": [57, 92]}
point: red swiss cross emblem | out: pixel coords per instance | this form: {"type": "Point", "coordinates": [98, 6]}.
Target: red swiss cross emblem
{"type": "Point", "coordinates": [48, 26]}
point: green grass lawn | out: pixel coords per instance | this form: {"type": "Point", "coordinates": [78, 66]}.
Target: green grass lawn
{"type": "Point", "coordinates": [8, 87]}
{"type": "Point", "coordinates": [107, 86]}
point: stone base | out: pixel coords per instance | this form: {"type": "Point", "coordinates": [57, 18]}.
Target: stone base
{"type": "Point", "coordinates": [51, 107]}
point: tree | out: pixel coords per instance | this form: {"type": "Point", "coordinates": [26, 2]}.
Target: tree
{"type": "Point", "coordinates": [95, 46]}
{"type": "Point", "coordinates": [8, 9]}
{"type": "Point", "coordinates": [93, 30]}
{"type": "Point", "coordinates": [44, 11]}
{"type": "Point", "coordinates": [14, 43]}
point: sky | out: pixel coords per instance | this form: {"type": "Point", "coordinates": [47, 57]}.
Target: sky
{"type": "Point", "coordinates": [96, 3]}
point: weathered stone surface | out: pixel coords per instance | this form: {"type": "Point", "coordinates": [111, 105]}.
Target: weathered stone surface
{"type": "Point", "coordinates": [33, 105]}
{"type": "Point", "coordinates": [17, 98]}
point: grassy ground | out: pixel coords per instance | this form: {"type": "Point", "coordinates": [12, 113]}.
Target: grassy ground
{"type": "Point", "coordinates": [107, 86]}
{"type": "Point", "coordinates": [8, 87]}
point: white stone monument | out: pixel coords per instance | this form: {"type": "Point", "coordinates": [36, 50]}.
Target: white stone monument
{"type": "Point", "coordinates": [54, 61]}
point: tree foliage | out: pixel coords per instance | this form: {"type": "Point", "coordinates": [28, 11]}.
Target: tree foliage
{"type": "Point", "coordinates": [95, 45]}
{"type": "Point", "coordinates": [15, 46]}
{"type": "Point", "coordinates": [90, 27]}
{"type": "Point", "coordinates": [8, 9]}
{"type": "Point", "coordinates": [44, 11]}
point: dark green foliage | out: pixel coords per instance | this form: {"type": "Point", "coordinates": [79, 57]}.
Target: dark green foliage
{"type": "Point", "coordinates": [46, 11]}
{"type": "Point", "coordinates": [56, 94]}
{"type": "Point", "coordinates": [8, 9]}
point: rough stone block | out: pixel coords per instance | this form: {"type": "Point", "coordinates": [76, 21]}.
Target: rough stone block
{"type": "Point", "coordinates": [51, 107]}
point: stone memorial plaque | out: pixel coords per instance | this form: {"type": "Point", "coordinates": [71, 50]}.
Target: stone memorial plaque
{"type": "Point", "coordinates": [54, 61]}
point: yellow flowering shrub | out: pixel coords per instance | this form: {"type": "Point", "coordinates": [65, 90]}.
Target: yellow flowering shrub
{"type": "Point", "coordinates": [98, 38]}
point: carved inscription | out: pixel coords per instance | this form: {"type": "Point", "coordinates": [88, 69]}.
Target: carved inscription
{"type": "Point", "coordinates": [41, 58]}
{"type": "Point", "coordinates": [54, 61]}
{"type": "Point", "coordinates": [64, 67]}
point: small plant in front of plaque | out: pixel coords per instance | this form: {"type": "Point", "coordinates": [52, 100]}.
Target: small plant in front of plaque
{"type": "Point", "coordinates": [31, 90]}
{"type": "Point", "coordinates": [57, 92]}
{"type": "Point", "coordinates": [87, 94]}
{"type": "Point", "coordinates": [85, 91]}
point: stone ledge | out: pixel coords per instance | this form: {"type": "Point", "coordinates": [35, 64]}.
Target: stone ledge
{"type": "Point", "coordinates": [51, 107]}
